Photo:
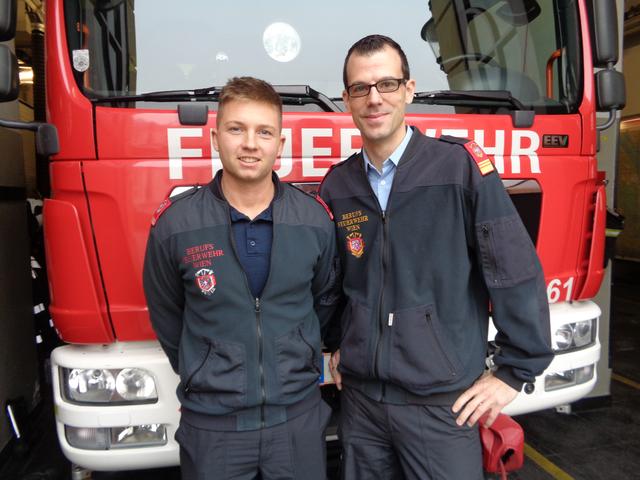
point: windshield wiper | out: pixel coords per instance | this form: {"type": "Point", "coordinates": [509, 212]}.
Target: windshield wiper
{"type": "Point", "coordinates": [290, 94]}
{"type": "Point", "coordinates": [305, 95]}
{"type": "Point", "coordinates": [210, 93]}
{"type": "Point", "coordinates": [521, 116]}
{"type": "Point", "coordinates": [472, 98]}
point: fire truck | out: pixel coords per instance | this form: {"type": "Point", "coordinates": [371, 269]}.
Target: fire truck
{"type": "Point", "coordinates": [131, 89]}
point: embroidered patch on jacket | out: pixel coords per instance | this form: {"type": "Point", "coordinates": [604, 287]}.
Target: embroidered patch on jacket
{"type": "Point", "coordinates": [206, 281]}
{"type": "Point", "coordinates": [352, 220]}
{"type": "Point", "coordinates": [166, 203]}
{"type": "Point", "coordinates": [355, 244]}
{"type": "Point", "coordinates": [201, 256]}
{"type": "Point", "coordinates": [481, 158]}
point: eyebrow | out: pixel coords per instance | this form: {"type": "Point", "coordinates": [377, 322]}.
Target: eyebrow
{"type": "Point", "coordinates": [238, 122]}
{"type": "Point", "coordinates": [386, 77]}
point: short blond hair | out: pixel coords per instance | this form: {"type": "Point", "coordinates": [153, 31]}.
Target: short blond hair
{"type": "Point", "coordinates": [249, 89]}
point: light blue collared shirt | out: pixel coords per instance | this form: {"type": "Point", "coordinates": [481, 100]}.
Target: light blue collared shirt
{"type": "Point", "coordinates": [381, 182]}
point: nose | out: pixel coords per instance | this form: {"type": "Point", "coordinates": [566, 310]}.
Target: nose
{"type": "Point", "coordinates": [374, 95]}
{"type": "Point", "coordinates": [249, 140]}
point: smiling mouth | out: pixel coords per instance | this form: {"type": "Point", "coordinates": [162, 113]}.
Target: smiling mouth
{"type": "Point", "coordinates": [375, 116]}
{"type": "Point", "coordinates": [249, 159]}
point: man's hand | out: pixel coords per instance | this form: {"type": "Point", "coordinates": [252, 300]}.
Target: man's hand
{"type": "Point", "coordinates": [334, 361]}
{"type": "Point", "coordinates": [487, 395]}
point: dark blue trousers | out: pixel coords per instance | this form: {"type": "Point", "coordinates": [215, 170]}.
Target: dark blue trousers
{"type": "Point", "coordinates": [294, 450]}
{"type": "Point", "coordinates": [412, 442]}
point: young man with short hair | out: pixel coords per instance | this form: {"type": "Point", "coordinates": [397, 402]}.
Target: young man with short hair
{"type": "Point", "coordinates": [239, 277]}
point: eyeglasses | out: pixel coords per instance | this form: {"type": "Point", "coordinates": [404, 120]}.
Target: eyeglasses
{"type": "Point", "coordinates": [386, 85]}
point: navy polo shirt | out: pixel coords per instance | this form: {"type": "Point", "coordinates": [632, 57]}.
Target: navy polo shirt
{"type": "Point", "coordinates": [253, 244]}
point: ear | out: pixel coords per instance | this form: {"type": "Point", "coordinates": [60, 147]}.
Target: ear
{"type": "Point", "coordinates": [214, 139]}
{"type": "Point", "coordinates": [410, 89]}
{"type": "Point", "coordinates": [283, 139]}
{"type": "Point", "coordinates": [345, 99]}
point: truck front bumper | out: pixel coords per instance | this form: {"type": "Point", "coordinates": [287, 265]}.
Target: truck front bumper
{"type": "Point", "coordinates": [165, 412]}
{"type": "Point", "coordinates": [579, 365]}
{"type": "Point", "coordinates": [87, 419]}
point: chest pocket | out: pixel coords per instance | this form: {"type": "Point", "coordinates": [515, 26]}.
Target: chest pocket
{"type": "Point", "coordinates": [506, 253]}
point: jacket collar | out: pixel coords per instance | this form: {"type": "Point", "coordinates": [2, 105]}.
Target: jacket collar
{"type": "Point", "coordinates": [407, 156]}
{"type": "Point", "coordinates": [215, 186]}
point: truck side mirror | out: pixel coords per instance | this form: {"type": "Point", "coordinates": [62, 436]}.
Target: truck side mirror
{"type": "Point", "coordinates": [610, 90]}
{"type": "Point", "coordinates": [604, 32]}
{"type": "Point", "coordinates": [9, 82]}
{"type": "Point", "coordinates": [8, 10]}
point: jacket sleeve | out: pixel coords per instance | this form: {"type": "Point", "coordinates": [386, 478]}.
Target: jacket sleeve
{"type": "Point", "coordinates": [165, 297]}
{"type": "Point", "coordinates": [327, 290]}
{"type": "Point", "coordinates": [514, 279]}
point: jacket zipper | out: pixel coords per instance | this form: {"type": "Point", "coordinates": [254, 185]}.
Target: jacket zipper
{"type": "Point", "coordinates": [187, 387]}
{"type": "Point", "coordinates": [487, 236]}
{"type": "Point", "coordinates": [257, 310]}
{"type": "Point", "coordinates": [263, 393]}
{"type": "Point", "coordinates": [384, 260]}
{"type": "Point", "coordinates": [452, 370]}
{"type": "Point", "coordinates": [381, 320]}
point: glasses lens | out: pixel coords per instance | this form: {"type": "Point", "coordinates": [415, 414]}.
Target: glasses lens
{"type": "Point", "coordinates": [359, 90]}
{"type": "Point", "coordinates": [389, 85]}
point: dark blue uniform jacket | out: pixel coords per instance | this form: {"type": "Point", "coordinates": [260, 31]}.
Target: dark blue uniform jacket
{"type": "Point", "coordinates": [421, 277]}
{"type": "Point", "coordinates": [253, 358]}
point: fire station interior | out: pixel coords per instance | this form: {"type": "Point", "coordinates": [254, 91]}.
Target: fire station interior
{"type": "Point", "coordinates": [596, 437]}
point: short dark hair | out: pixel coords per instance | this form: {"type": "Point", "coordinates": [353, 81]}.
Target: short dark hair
{"type": "Point", "coordinates": [248, 89]}
{"type": "Point", "coordinates": [371, 44]}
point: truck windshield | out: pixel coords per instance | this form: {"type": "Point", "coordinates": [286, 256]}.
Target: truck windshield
{"type": "Point", "coordinates": [530, 48]}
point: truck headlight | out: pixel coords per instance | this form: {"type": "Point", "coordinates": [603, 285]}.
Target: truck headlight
{"type": "Point", "coordinates": [90, 385]}
{"type": "Point", "coordinates": [134, 436]}
{"type": "Point", "coordinates": [563, 337]}
{"type": "Point", "coordinates": [582, 333]}
{"type": "Point", "coordinates": [135, 384]}
{"type": "Point", "coordinates": [572, 336]}
{"type": "Point", "coordinates": [108, 386]}
{"type": "Point", "coordinates": [568, 378]}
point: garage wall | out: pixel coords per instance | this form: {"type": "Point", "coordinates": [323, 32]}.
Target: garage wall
{"type": "Point", "coordinates": [18, 361]}
{"type": "Point", "coordinates": [628, 189]}
{"type": "Point", "coordinates": [631, 62]}
{"type": "Point", "coordinates": [628, 179]}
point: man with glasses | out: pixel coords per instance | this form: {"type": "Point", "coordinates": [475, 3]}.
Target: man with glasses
{"type": "Point", "coordinates": [428, 240]}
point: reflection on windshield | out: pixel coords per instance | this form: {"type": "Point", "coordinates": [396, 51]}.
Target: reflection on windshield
{"type": "Point", "coordinates": [141, 46]}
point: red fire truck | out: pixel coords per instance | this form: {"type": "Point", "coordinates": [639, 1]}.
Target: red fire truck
{"type": "Point", "coordinates": [132, 89]}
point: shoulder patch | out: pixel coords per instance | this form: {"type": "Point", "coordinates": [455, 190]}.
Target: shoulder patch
{"type": "Point", "coordinates": [166, 203]}
{"type": "Point", "coordinates": [326, 207]}
{"type": "Point", "coordinates": [482, 159]}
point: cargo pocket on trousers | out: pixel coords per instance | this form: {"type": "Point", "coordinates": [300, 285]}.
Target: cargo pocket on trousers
{"type": "Point", "coordinates": [421, 354]}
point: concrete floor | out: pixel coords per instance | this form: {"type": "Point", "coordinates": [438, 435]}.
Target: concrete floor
{"type": "Point", "coordinates": [599, 439]}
